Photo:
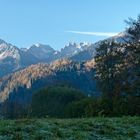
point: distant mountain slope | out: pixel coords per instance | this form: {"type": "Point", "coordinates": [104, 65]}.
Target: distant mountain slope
{"type": "Point", "coordinates": [20, 85]}
{"type": "Point", "coordinates": [41, 51]}
{"type": "Point", "coordinates": [9, 58]}
{"type": "Point", "coordinates": [13, 59]}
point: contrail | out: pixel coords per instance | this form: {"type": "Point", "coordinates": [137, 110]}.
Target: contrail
{"type": "Point", "coordinates": [106, 34]}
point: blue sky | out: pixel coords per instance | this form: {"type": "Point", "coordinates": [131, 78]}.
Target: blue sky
{"type": "Point", "coordinates": [56, 22]}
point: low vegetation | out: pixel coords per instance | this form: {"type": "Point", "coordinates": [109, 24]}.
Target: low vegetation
{"type": "Point", "coordinates": [54, 101]}
{"type": "Point", "coordinates": [67, 102]}
{"type": "Point", "coordinates": [71, 129]}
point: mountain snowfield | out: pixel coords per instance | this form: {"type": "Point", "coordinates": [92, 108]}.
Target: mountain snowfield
{"type": "Point", "coordinates": [8, 50]}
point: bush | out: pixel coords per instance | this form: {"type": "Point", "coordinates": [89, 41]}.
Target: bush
{"type": "Point", "coordinates": [54, 101]}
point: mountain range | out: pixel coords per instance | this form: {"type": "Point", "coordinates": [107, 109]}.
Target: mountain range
{"type": "Point", "coordinates": [24, 71]}
{"type": "Point", "coordinates": [13, 58]}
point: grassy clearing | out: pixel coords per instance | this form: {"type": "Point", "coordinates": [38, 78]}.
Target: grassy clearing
{"type": "Point", "coordinates": [125, 128]}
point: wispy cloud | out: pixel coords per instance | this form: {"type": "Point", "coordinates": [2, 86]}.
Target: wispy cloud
{"type": "Point", "coordinates": [105, 34]}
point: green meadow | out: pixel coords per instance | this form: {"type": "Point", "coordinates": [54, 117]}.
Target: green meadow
{"type": "Point", "coordinates": [99, 128]}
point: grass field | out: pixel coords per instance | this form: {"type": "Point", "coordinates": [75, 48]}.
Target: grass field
{"type": "Point", "coordinates": [125, 128]}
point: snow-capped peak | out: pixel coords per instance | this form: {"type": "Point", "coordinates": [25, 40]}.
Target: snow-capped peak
{"type": "Point", "coordinates": [78, 46]}
{"type": "Point", "coordinates": [7, 50]}
{"type": "Point", "coordinates": [41, 51]}
{"type": "Point", "coordinates": [38, 45]}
